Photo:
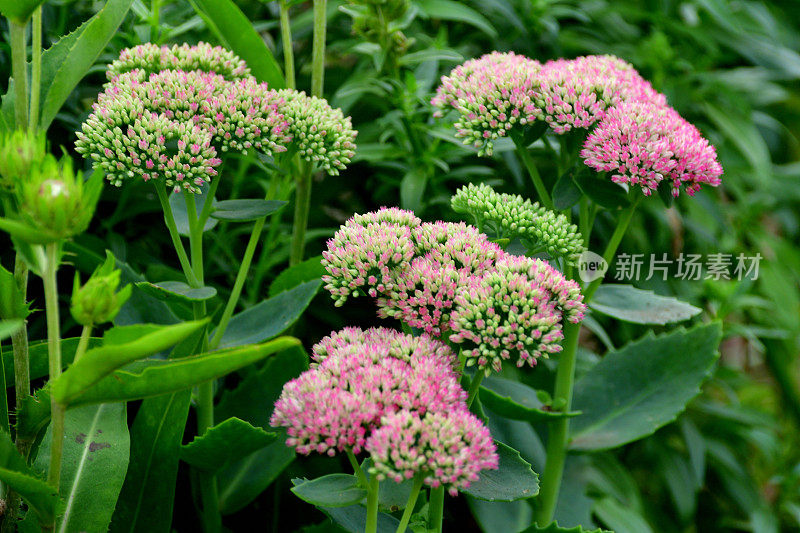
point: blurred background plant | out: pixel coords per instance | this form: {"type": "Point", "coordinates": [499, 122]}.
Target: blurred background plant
{"type": "Point", "coordinates": [731, 67]}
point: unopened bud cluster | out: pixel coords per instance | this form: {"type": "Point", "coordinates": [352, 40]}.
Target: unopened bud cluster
{"type": "Point", "coordinates": [98, 301]}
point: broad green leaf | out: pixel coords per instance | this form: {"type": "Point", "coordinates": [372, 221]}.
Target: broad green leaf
{"type": "Point", "coordinates": [555, 528]}
{"type": "Point", "coordinates": [99, 362]}
{"type": "Point", "coordinates": [224, 443]}
{"type": "Point", "coordinates": [517, 401]}
{"type": "Point", "coordinates": [565, 192]}
{"type": "Point", "coordinates": [66, 63]}
{"type": "Point", "coordinates": [146, 500]}
{"type": "Point", "coordinates": [642, 386]}
{"type": "Point", "coordinates": [458, 12]}
{"type": "Point", "coordinates": [412, 189]}
{"type": "Point", "coordinates": [254, 400]}
{"type": "Point", "coordinates": [157, 377]}
{"type": "Point", "coordinates": [37, 355]}
{"type": "Point", "coordinates": [19, 10]}
{"type": "Point", "coordinates": [94, 462]}
{"type": "Point", "coordinates": [333, 490]}
{"type": "Point", "coordinates": [246, 210]}
{"type": "Point", "coordinates": [8, 328]}
{"type": "Point", "coordinates": [391, 496]}
{"type": "Point", "coordinates": [270, 317]}
{"type": "Point", "coordinates": [308, 270]}
{"type": "Point", "coordinates": [513, 480]}
{"type": "Point", "coordinates": [354, 519]}
{"type": "Point", "coordinates": [177, 203]}
{"type": "Point", "coordinates": [236, 32]}
{"type": "Point", "coordinates": [176, 291]}
{"type": "Point", "coordinates": [621, 518]}
{"type": "Point", "coordinates": [34, 414]}
{"type": "Point", "coordinates": [627, 303]}
{"type": "Point", "coordinates": [603, 192]}
{"type": "Point", "coordinates": [16, 474]}
{"type": "Point", "coordinates": [501, 517]}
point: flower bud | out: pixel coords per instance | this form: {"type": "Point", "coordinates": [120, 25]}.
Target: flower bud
{"type": "Point", "coordinates": [20, 151]}
{"type": "Point", "coordinates": [98, 301]}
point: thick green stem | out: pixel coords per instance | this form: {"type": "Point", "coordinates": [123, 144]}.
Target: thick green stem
{"type": "Point", "coordinates": [302, 204]}
{"type": "Point", "coordinates": [412, 501]}
{"type": "Point", "coordinates": [318, 52]}
{"type": "Point", "coordinates": [83, 343]}
{"type": "Point", "coordinates": [288, 52]}
{"type": "Point", "coordinates": [558, 436]}
{"type": "Point", "coordinates": [169, 219]}
{"type": "Point", "coordinates": [475, 386]}
{"type": "Point", "coordinates": [155, 14]}
{"type": "Point", "coordinates": [530, 164]}
{"type": "Point", "coordinates": [19, 61]}
{"type": "Point", "coordinates": [372, 506]}
{"type": "Point", "coordinates": [436, 510]}
{"type": "Point", "coordinates": [19, 341]}
{"type": "Point", "coordinates": [362, 478]}
{"type": "Point", "coordinates": [54, 359]}
{"type": "Point", "coordinates": [36, 68]}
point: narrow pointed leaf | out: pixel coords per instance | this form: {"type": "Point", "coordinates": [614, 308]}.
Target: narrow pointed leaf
{"type": "Point", "coordinates": [246, 210]}
{"type": "Point", "coordinates": [176, 291]}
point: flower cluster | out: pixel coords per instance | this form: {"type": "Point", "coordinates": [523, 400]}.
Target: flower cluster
{"type": "Point", "coordinates": [510, 216]}
{"type": "Point", "coordinates": [492, 95]}
{"type": "Point", "coordinates": [642, 144]}
{"type": "Point", "coordinates": [320, 133]}
{"type": "Point", "coordinates": [448, 279]}
{"type": "Point", "coordinates": [150, 59]}
{"type": "Point", "coordinates": [361, 380]}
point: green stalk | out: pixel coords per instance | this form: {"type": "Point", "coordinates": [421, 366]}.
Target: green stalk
{"type": "Point", "coordinates": [372, 506]}
{"type": "Point", "coordinates": [83, 343]}
{"type": "Point", "coordinates": [318, 52]}
{"type": "Point", "coordinates": [286, 37]}
{"type": "Point", "coordinates": [302, 205]}
{"type": "Point", "coordinates": [169, 219]}
{"type": "Point", "coordinates": [54, 360]}
{"type": "Point", "coordinates": [475, 386]}
{"type": "Point", "coordinates": [19, 341]}
{"type": "Point", "coordinates": [436, 510]}
{"type": "Point", "coordinates": [19, 69]}
{"type": "Point", "coordinates": [412, 500]}
{"type": "Point", "coordinates": [362, 478]}
{"type": "Point", "coordinates": [36, 68]}
{"type": "Point", "coordinates": [155, 14]}
{"type": "Point", "coordinates": [530, 164]}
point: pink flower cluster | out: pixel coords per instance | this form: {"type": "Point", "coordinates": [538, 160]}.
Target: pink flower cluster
{"type": "Point", "coordinates": [448, 279]}
{"type": "Point", "coordinates": [150, 59]}
{"type": "Point", "coordinates": [360, 381]}
{"type": "Point", "coordinates": [643, 144]}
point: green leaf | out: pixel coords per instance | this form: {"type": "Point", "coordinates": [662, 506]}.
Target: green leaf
{"type": "Point", "coordinates": [26, 233]}
{"type": "Point", "coordinates": [644, 385]}
{"type": "Point", "coordinates": [94, 462]}
{"type": "Point", "coordinates": [333, 490]}
{"type": "Point", "coordinates": [224, 443]}
{"type": "Point", "coordinates": [157, 377]}
{"type": "Point", "coordinates": [37, 354]}
{"type": "Point", "coordinates": [501, 517]}
{"type": "Point", "coordinates": [565, 192]}
{"type": "Point", "coordinates": [146, 500]}
{"type": "Point", "coordinates": [12, 302]}
{"type": "Point", "coordinates": [99, 362]}
{"type": "Point", "coordinates": [16, 473]}
{"type": "Point", "coordinates": [621, 518]}
{"type": "Point", "coordinates": [34, 414]}
{"type": "Point", "coordinates": [458, 12]}
{"type": "Point", "coordinates": [270, 317]}
{"type": "Point", "coordinates": [66, 63]}
{"type": "Point", "coordinates": [9, 327]}
{"type": "Point", "coordinates": [517, 401]}
{"type": "Point", "coordinates": [176, 291]}
{"type": "Point", "coordinates": [354, 519]}
{"type": "Point", "coordinates": [308, 270]}
{"type": "Point", "coordinates": [431, 54]}
{"type": "Point", "coordinates": [554, 528]}
{"type": "Point", "coordinates": [19, 10]}
{"type": "Point", "coordinates": [603, 192]}
{"type": "Point", "coordinates": [236, 32]}
{"type": "Point", "coordinates": [629, 304]}
{"type": "Point", "coordinates": [513, 480]}
{"type": "Point", "coordinates": [246, 210]}
{"type": "Point", "coordinates": [412, 189]}
{"type": "Point", "coordinates": [177, 202]}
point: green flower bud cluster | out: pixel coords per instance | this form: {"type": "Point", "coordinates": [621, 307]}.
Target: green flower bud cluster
{"type": "Point", "coordinates": [379, 21]}
{"type": "Point", "coordinates": [511, 216]}
{"type": "Point", "coordinates": [20, 151]}
{"type": "Point", "coordinates": [98, 301]}
{"type": "Point", "coordinates": [320, 134]}
{"type": "Point", "coordinates": [151, 59]}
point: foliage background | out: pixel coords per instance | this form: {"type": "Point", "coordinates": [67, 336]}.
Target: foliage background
{"type": "Point", "coordinates": [731, 67]}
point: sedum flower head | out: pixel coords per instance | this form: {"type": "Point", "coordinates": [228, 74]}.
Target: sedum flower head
{"type": "Point", "coordinates": [98, 301]}
{"type": "Point", "coordinates": [447, 449]}
{"type": "Point", "coordinates": [457, 244]}
{"type": "Point", "coordinates": [492, 95]}
{"type": "Point", "coordinates": [642, 144]}
{"type": "Point", "coordinates": [20, 151]}
{"type": "Point", "coordinates": [320, 134]}
{"type": "Point", "coordinates": [391, 215]}
{"type": "Point", "coordinates": [337, 403]}
{"type": "Point", "coordinates": [150, 59]}
{"type": "Point", "coordinates": [575, 93]}
{"type": "Point", "coordinates": [511, 216]}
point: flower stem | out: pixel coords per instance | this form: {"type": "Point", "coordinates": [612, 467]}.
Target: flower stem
{"type": "Point", "coordinates": [19, 69]}
{"type": "Point", "coordinates": [302, 204]}
{"type": "Point", "coordinates": [318, 52]}
{"type": "Point", "coordinates": [54, 359]}
{"type": "Point", "coordinates": [372, 506]}
{"type": "Point", "coordinates": [83, 343]}
{"type": "Point", "coordinates": [286, 37]}
{"type": "Point", "coordinates": [530, 164]}
{"type": "Point", "coordinates": [412, 500]}
{"type": "Point", "coordinates": [155, 13]}
{"type": "Point", "coordinates": [36, 68]}
{"type": "Point", "coordinates": [362, 478]}
{"type": "Point", "coordinates": [475, 386]}
{"type": "Point", "coordinates": [436, 510]}
{"type": "Point", "coordinates": [169, 219]}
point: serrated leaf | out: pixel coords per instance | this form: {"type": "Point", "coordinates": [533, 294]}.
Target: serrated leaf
{"type": "Point", "coordinates": [308, 270]}
{"type": "Point", "coordinates": [246, 210]}
{"type": "Point", "coordinates": [513, 480]}
{"type": "Point", "coordinates": [517, 401]}
{"type": "Point", "coordinates": [176, 291]}
{"type": "Point", "coordinates": [333, 490]}
{"type": "Point", "coordinates": [222, 444]}
{"type": "Point", "coordinates": [627, 303]}
{"type": "Point", "coordinates": [642, 386]}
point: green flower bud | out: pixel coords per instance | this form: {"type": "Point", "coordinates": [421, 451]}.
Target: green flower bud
{"type": "Point", "coordinates": [98, 301]}
{"type": "Point", "coordinates": [56, 201]}
{"type": "Point", "coordinates": [20, 151]}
